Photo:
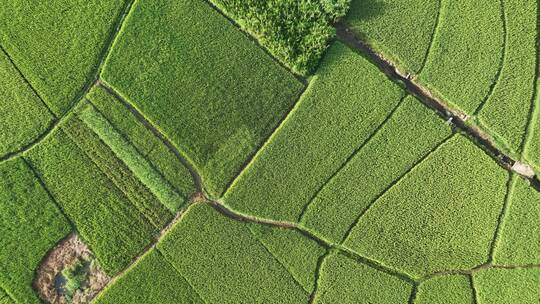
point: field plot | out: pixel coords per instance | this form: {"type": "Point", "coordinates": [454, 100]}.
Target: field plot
{"type": "Point", "coordinates": [233, 151]}
{"type": "Point", "coordinates": [384, 23]}
{"type": "Point", "coordinates": [58, 44]}
{"type": "Point", "coordinates": [498, 286]}
{"type": "Point", "coordinates": [344, 280]}
{"type": "Point", "coordinates": [519, 240]}
{"type": "Point", "coordinates": [328, 124]}
{"type": "Point", "coordinates": [448, 227]}
{"type": "Point", "coordinates": [466, 53]}
{"type": "Point", "coordinates": [215, 101]}
{"type": "Point", "coordinates": [506, 109]}
{"type": "Point", "coordinates": [30, 225]}
{"type": "Point", "coordinates": [445, 289]}
{"type": "Point", "coordinates": [23, 116]}
{"type": "Point", "coordinates": [225, 261]}
{"type": "Point", "coordinates": [151, 280]}
{"type": "Point", "coordinates": [409, 135]}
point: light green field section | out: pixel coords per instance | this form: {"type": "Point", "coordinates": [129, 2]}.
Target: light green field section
{"type": "Point", "coordinates": [297, 32]}
{"type": "Point", "coordinates": [23, 116]}
{"type": "Point", "coordinates": [455, 289]}
{"type": "Point", "coordinates": [5, 298]}
{"type": "Point", "coordinates": [104, 216]}
{"type": "Point", "coordinates": [519, 240]}
{"type": "Point", "coordinates": [30, 225]}
{"type": "Point", "coordinates": [58, 44]}
{"type": "Point", "coordinates": [141, 167]}
{"type": "Point", "coordinates": [151, 280]}
{"type": "Point", "coordinates": [502, 286]}
{"type": "Point", "coordinates": [385, 23]}
{"type": "Point", "coordinates": [213, 92]}
{"type": "Point", "coordinates": [343, 280]}
{"type": "Point", "coordinates": [142, 138]}
{"type": "Point", "coordinates": [506, 111]}
{"type": "Point", "coordinates": [440, 216]}
{"type": "Point", "coordinates": [226, 262]}
{"type": "Point", "coordinates": [466, 54]}
{"type": "Point", "coordinates": [409, 135]}
{"type": "Point", "coordinates": [346, 101]}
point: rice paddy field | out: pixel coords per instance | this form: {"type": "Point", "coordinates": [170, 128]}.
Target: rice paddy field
{"type": "Point", "coordinates": [278, 151]}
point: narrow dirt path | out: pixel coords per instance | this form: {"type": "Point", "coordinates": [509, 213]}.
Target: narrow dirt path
{"type": "Point", "coordinates": [457, 118]}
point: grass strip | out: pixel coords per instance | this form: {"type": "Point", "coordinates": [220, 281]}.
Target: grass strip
{"type": "Point", "coordinates": [143, 139]}
{"type": "Point", "coordinates": [146, 173]}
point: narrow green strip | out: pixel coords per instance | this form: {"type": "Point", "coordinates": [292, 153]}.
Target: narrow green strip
{"type": "Point", "coordinates": [132, 158]}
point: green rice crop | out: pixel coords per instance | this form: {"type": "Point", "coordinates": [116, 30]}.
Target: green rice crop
{"type": "Point", "coordinates": [411, 133]}
{"type": "Point", "coordinates": [225, 263]}
{"type": "Point", "coordinates": [23, 116]}
{"type": "Point", "coordinates": [506, 111]}
{"type": "Point", "coordinates": [297, 32]}
{"type": "Point", "coordinates": [466, 53]}
{"type": "Point", "coordinates": [442, 215]}
{"type": "Point", "coordinates": [146, 173]}
{"type": "Point", "coordinates": [143, 140]}
{"type": "Point", "coordinates": [150, 280]}
{"type": "Point", "coordinates": [30, 225]}
{"type": "Point", "coordinates": [455, 289]}
{"type": "Point", "coordinates": [118, 172]}
{"type": "Point", "coordinates": [502, 286]}
{"type": "Point", "coordinates": [299, 254]}
{"type": "Point", "coordinates": [519, 240]}
{"type": "Point", "coordinates": [58, 44]}
{"type": "Point", "coordinates": [343, 280]}
{"type": "Point", "coordinates": [385, 23]}
{"type": "Point", "coordinates": [347, 99]}
{"type": "Point", "coordinates": [215, 101]}
{"type": "Point", "coordinates": [105, 218]}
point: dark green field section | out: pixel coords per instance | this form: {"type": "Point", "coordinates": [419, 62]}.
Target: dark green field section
{"type": "Point", "coordinates": [466, 52]}
{"type": "Point", "coordinates": [519, 240]}
{"type": "Point", "coordinates": [23, 116]}
{"type": "Point", "coordinates": [440, 216]}
{"type": "Point", "coordinates": [150, 280]}
{"type": "Point", "coordinates": [346, 101]}
{"type": "Point", "coordinates": [58, 45]}
{"type": "Point", "coordinates": [385, 23]}
{"type": "Point", "coordinates": [501, 286]}
{"type": "Point", "coordinates": [455, 289]}
{"type": "Point", "coordinates": [30, 225]}
{"type": "Point", "coordinates": [227, 261]}
{"type": "Point", "coordinates": [114, 220]}
{"type": "Point", "coordinates": [211, 90]}
{"type": "Point", "coordinates": [295, 32]}
{"type": "Point", "coordinates": [136, 134]}
{"type": "Point", "coordinates": [343, 280]}
{"type": "Point", "coordinates": [507, 107]}
{"type": "Point", "coordinates": [409, 135]}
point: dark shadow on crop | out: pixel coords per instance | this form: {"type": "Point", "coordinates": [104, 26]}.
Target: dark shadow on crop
{"type": "Point", "coordinates": [365, 9]}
